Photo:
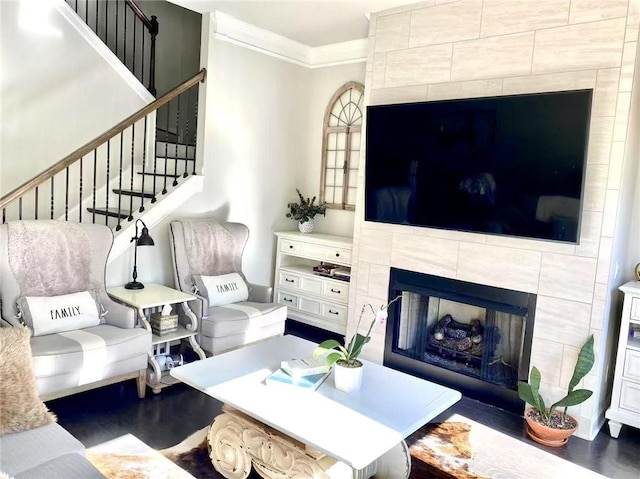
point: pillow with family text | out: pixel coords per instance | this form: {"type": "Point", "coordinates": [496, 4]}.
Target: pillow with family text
{"type": "Point", "coordinates": [223, 289]}
{"type": "Point", "coordinates": [56, 314]}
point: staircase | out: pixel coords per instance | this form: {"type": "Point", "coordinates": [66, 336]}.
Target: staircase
{"type": "Point", "coordinates": [124, 173]}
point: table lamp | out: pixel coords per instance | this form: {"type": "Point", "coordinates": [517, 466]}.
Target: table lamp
{"type": "Point", "coordinates": [143, 240]}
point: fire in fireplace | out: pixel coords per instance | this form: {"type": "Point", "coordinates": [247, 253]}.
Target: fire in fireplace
{"type": "Point", "coordinates": [471, 337]}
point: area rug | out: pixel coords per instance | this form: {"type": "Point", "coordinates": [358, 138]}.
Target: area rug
{"type": "Point", "coordinates": [456, 449]}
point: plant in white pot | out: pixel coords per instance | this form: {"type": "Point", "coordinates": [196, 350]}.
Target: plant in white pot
{"type": "Point", "coordinates": [305, 211]}
{"type": "Point", "coordinates": [548, 425]}
{"type": "Point", "coordinates": [348, 368]}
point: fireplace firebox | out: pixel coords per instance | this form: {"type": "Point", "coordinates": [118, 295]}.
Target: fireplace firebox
{"type": "Point", "coordinates": [471, 337]}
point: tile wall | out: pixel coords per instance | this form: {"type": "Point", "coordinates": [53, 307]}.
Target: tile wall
{"type": "Point", "coordinates": [443, 49]}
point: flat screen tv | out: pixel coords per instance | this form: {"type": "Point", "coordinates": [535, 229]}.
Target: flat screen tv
{"type": "Point", "coordinates": [508, 165]}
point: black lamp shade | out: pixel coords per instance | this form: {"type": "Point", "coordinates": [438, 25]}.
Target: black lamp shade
{"type": "Point", "coordinates": [145, 239]}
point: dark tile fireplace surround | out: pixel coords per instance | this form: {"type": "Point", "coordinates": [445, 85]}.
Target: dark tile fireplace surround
{"type": "Point", "coordinates": [471, 337]}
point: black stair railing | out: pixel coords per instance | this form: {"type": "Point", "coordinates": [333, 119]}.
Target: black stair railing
{"type": "Point", "coordinates": [127, 167]}
{"type": "Point", "coordinates": [127, 31]}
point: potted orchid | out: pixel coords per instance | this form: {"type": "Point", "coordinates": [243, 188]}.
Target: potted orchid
{"type": "Point", "coordinates": [348, 368]}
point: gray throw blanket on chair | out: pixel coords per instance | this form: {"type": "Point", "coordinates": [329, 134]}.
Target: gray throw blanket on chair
{"type": "Point", "coordinates": [210, 248]}
{"type": "Point", "coordinates": [49, 258]}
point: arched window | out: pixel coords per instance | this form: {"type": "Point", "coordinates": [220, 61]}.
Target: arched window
{"type": "Point", "coordinates": [341, 147]}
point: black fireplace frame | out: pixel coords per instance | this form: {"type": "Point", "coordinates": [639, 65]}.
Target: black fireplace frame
{"type": "Point", "coordinates": [490, 297]}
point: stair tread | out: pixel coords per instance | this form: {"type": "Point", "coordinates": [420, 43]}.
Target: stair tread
{"type": "Point", "coordinates": [146, 194]}
{"type": "Point", "coordinates": [113, 212]}
{"type": "Point", "coordinates": [168, 175]}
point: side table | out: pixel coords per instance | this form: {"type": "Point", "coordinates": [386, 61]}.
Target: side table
{"type": "Point", "coordinates": [153, 298]}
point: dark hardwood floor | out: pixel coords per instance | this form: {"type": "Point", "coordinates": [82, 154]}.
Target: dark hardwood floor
{"type": "Point", "coordinates": [165, 419]}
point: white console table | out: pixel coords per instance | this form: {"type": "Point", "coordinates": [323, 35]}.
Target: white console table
{"type": "Point", "coordinates": [625, 399]}
{"type": "Point", "coordinates": [312, 299]}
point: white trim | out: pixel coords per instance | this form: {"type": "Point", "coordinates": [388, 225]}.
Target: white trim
{"type": "Point", "coordinates": [230, 29]}
{"type": "Point", "coordinates": [98, 45]}
{"type": "Point", "coordinates": [156, 212]}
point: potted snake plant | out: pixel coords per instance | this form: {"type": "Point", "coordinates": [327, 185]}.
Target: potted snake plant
{"type": "Point", "coordinates": [549, 425]}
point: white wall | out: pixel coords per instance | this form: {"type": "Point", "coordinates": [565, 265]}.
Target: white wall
{"type": "Point", "coordinates": [323, 85]}
{"type": "Point", "coordinates": [260, 137]}
{"type": "Point", "coordinates": [57, 90]}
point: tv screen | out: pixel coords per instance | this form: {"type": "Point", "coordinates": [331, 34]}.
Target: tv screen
{"type": "Point", "coordinates": [508, 165]}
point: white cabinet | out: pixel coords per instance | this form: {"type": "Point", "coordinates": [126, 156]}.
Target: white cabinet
{"type": "Point", "coordinates": [312, 299]}
{"type": "Point", "coordinates": [625, 399]}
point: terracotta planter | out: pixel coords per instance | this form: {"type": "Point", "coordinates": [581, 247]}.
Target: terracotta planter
{"type": "Point", "coordinates": [347, 379]}
{"type": "Point", "coordinates": [548, 436]}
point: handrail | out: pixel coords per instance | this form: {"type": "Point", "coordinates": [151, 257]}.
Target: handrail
{"type": "Point", "coordinates": [106, 136]}
{"type": "Point", "coordinates": [141, 15]}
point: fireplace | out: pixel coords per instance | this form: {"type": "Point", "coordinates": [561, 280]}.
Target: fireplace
{"type": "Point", "coordinates": [471, 337]}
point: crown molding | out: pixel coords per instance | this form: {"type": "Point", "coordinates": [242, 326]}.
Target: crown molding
{"type": "Point", "coordinates": [230, 29]}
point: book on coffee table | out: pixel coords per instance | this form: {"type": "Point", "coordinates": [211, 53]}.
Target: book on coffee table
{"type": "Point", "coordinates": [279, 378]}
{"type": "Point", "coordinates": [310, 366]}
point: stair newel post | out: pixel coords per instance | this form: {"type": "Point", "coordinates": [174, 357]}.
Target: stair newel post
{"type": "Point", "coordinates": [144, 163]}
{"type": "Point", "coordinates": [119, 226]}
{"type": "Point", "coordinates": [133, 144]}
{"type": "Point", "coordinates": [154, 30]}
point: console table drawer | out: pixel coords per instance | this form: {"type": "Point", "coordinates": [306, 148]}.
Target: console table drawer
{"type": "Point", "coordinates": [630, 396]}
{"type": "Point", "coordinates": [336, 292]}
{"type": "Point", "coordinates": [338, 255]}
{"type": "Point", "coordinates": [291, 247]}
{"type": "Point", "coordinates": [632, 365]}
{"type": "Point", "coordinates": [334, 313]}
{"type": "Point", "coordinates": [289, 280]}
{"type": "Point", "coordinates": [288, 299]}
{"type": "Point", "coordinates": [635, 308]}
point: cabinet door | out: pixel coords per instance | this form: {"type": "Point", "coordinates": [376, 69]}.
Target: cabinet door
{"type": "Point", "coordinates": [308, 305]}
{"type": "Point", "coordinates": [632, 365]}
{"type": "Point", "coordinates": [311, 285]}
{"type": "Point", "coordinates": [630, 396]}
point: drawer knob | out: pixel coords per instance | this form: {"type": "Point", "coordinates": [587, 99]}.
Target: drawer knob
{"type": "Point", "coordinates": [335, 291]}
{"type": "Point", "coordinates": [290, 246]}
{"type": "Point", "coordinates": [337, 255]}
{"type": "Point", "coordinates": [288, 300]}
{"type": "Point", "coordinates": [333, 312]}
{"type": "Point", "coordinates": [289, 280]}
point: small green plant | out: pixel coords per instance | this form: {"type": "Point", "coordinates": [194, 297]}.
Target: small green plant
{"type": "Point", "coordinates": [305, 209]}
{"type": "Point", "coordinates": [348, 356]}
{"type": "Point", "coordinates": [530, 392]}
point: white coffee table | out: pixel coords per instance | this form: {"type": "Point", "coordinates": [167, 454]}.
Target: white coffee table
{"type": "Point", "coordinates": [323, 432]}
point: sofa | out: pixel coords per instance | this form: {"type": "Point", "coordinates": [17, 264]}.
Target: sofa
{"type": "Point", "coordinates": [32, 444]}
{"type": "Point", "coordinates": [44, 452]}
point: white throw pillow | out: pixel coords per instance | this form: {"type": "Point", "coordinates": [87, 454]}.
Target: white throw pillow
{"type": "Point", "coordinates": [56, 314]}
{"type": "Point", "coordinates": [223, 289]}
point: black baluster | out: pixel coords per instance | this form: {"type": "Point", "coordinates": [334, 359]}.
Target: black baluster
{"type": "Point", "coordinates": [4, 215]}
{"type": "Point", "coordinates": [95, 181]}
{"type": "Point", "coordinates": [133, 64]}
{"type": "Point", "coordinates": [186, 136]}
{"type": "Point", "coordinates": [144, 162]}
{"type": "Point", "coordinates": [118, 226]}
{"type": "Point", "coordinates": [36, 203]}
{"type": "Point", "coordinates": [133, 143]}
{"type": "Point", "coordinates": [80, 196]}
{"type": "Point", "coordinates": [66, 194]}
{"type": "Point", "coordinates": [86, 12]}
{"type": "Point", "coordinates": [142, 60]}
{"type": "Point", "coordinates": [107, 182]}
{"type": "Point", "coordinates": [52, 195]}
{"type": "Point", "coordinates": [117, 11]}
{"type": "Point", "coordinates": [124, 40]}
{"type": "Point", "coordinates": [155, 160]}
{"type": "Point", "coordinates": [106, 22]}
{"type": "Point", "coordinates": [166, 148]}
{"type": "Point", "coordinates": [195, 135]}
{"type": "Point", "coordinates": [97, 9]}
{"type": "Point", "coordinates": [20, 208]}
{"type": "Point", "coordinates": [176, 156]}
